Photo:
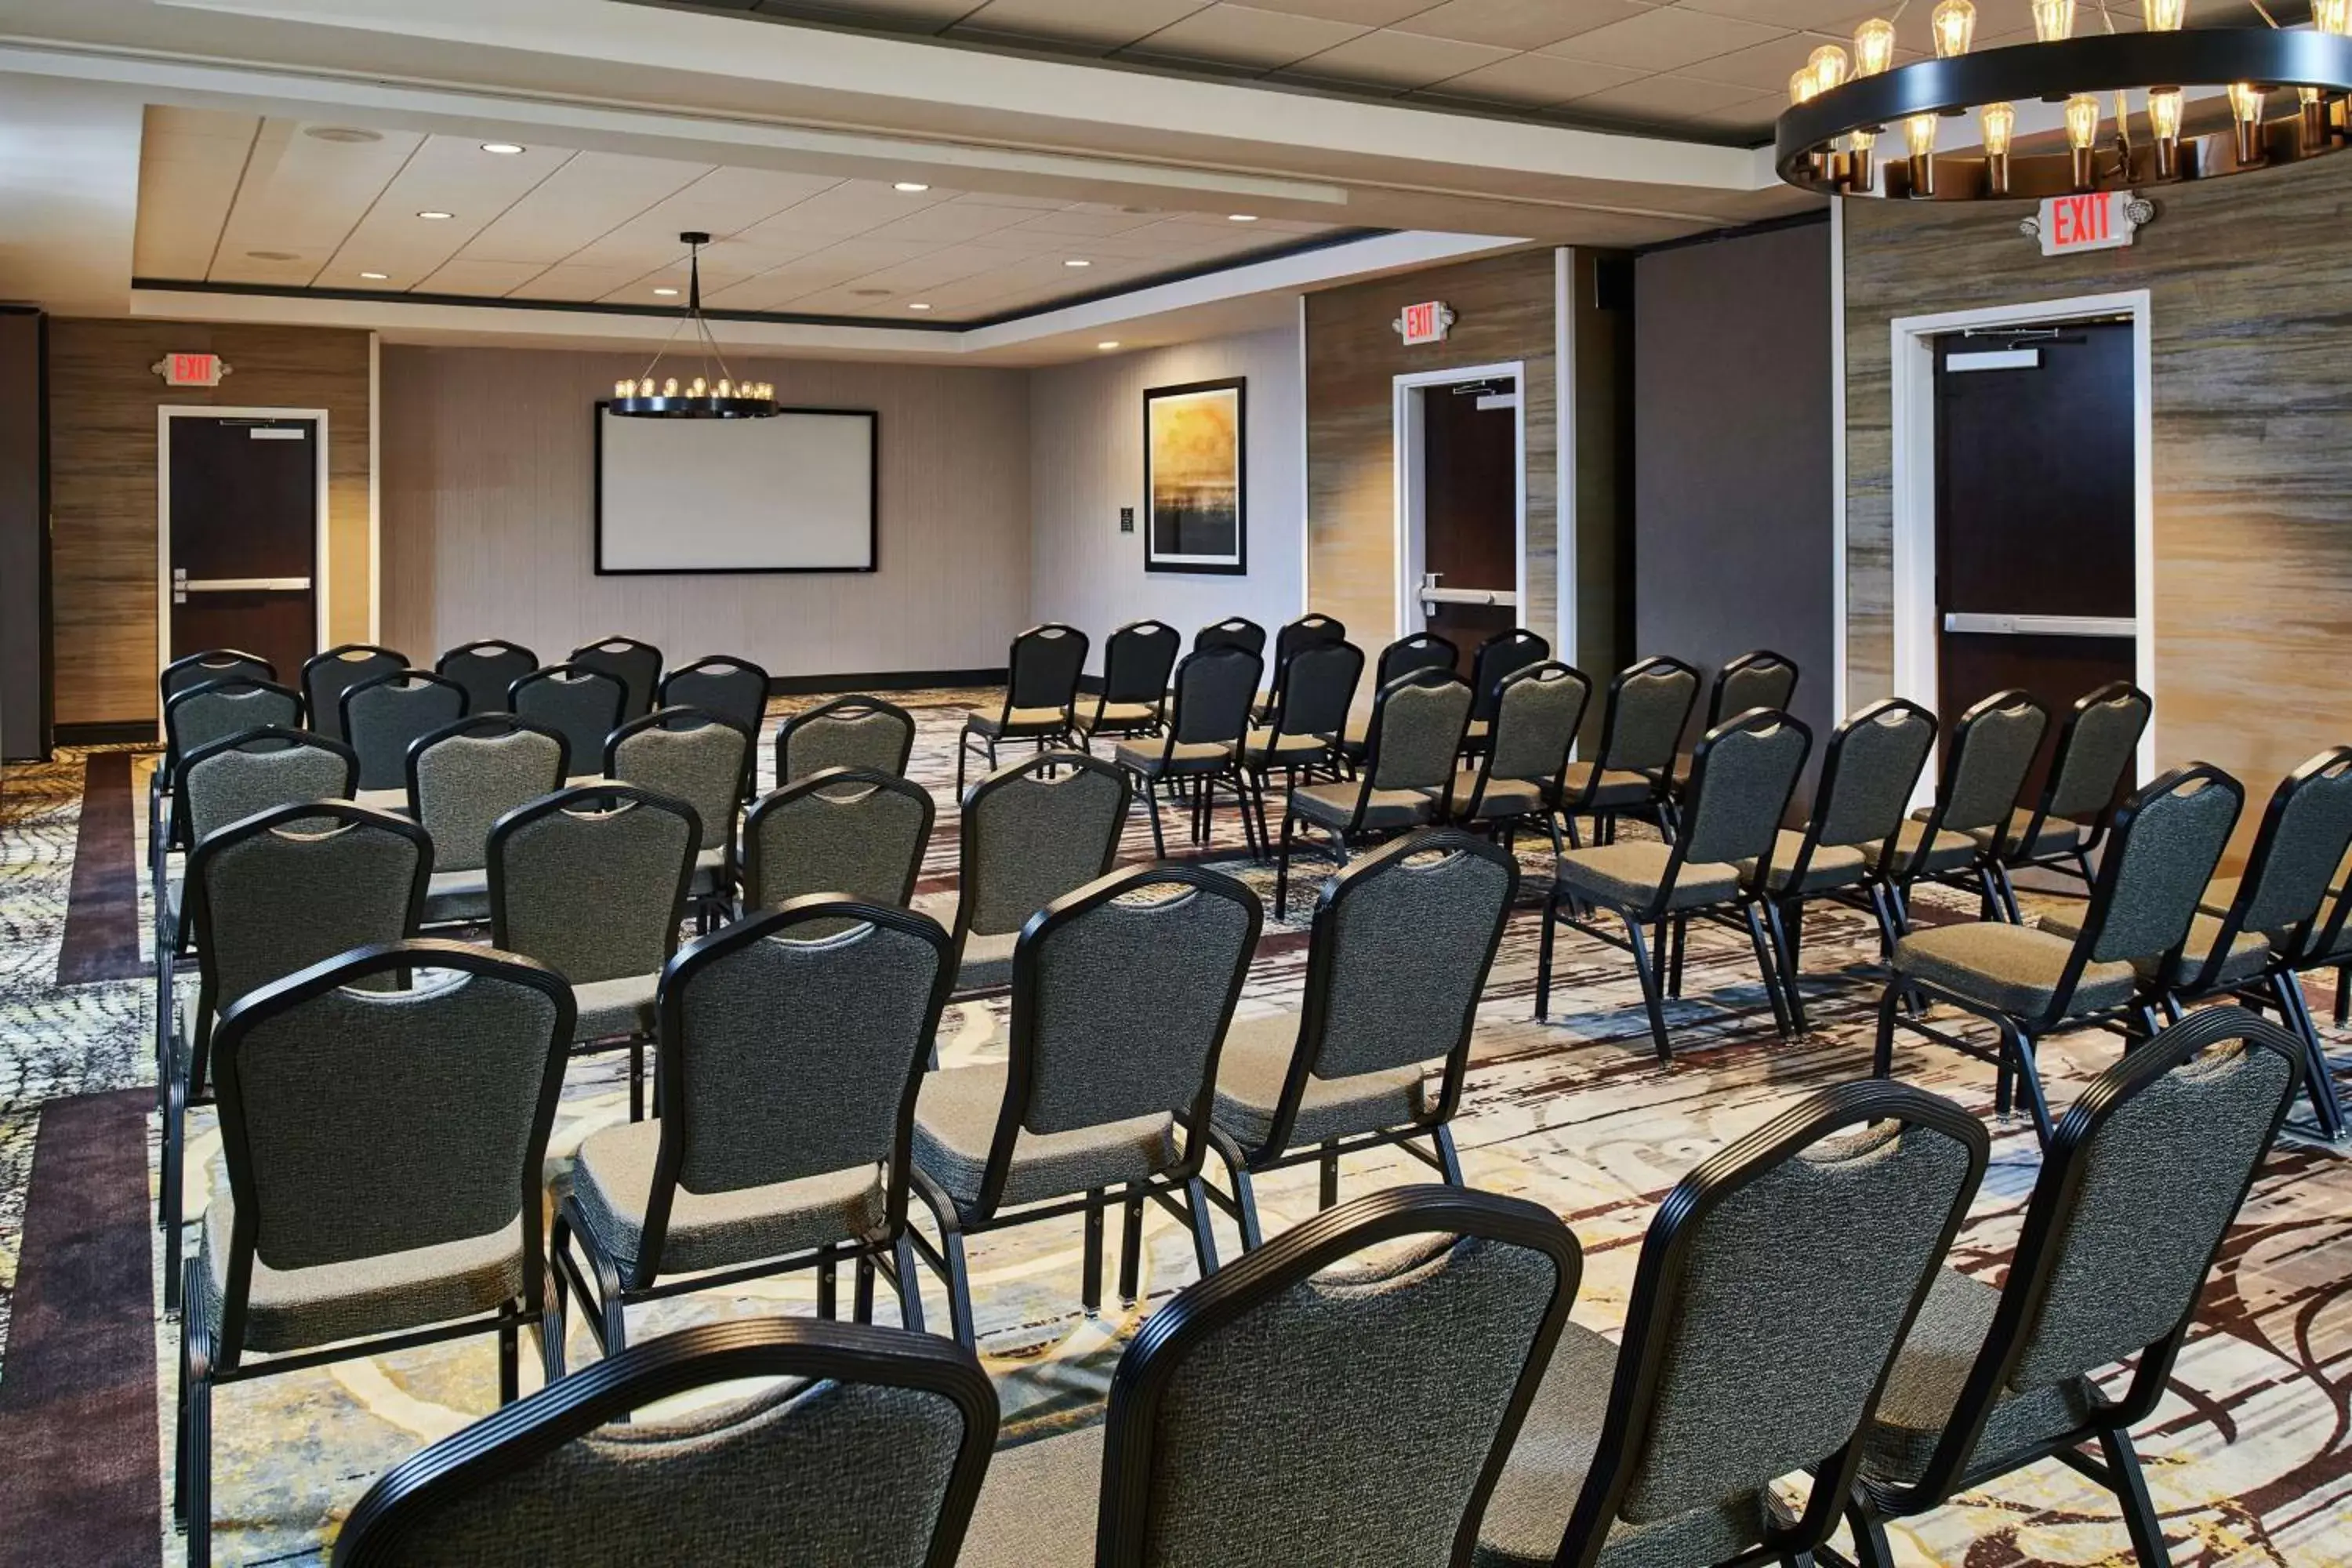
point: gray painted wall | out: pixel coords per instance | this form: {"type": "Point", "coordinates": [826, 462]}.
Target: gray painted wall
{"type": "Point", "coordinates": [22, 524]}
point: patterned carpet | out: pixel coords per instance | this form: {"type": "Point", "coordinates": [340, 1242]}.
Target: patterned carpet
{"type": "Point", "coordinates": [2249, 1458]}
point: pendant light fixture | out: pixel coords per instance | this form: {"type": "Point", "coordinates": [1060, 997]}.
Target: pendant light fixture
{"type": "Point", "coordinates": [700, 396]}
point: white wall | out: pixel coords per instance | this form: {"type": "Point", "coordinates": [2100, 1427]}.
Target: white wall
{"type": "Point", "coordinates": [1085, 442]}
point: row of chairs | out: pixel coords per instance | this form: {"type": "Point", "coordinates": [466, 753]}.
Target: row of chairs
{"type": "Point", "coordinates": [1791, 1316]}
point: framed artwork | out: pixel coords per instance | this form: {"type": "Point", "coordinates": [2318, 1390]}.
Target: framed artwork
{"type": "Point", "coordinates": [1193, 477]}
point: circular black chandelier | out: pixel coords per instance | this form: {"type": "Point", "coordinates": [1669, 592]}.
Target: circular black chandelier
{"type": "Point", "coordinates": [700, 396]}
{"type": "Point", "coordinates": [1827, 139]}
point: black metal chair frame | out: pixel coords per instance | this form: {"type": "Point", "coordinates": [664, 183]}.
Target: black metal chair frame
{"type": "Point", "coordinates": [947, 1259]}
{"type": "Point", "coordinates": [1442, 802]}
{"type": "Point", "coordinates": [1551, 791]}
{"type": "Point", "coordinates": [185, 674]}
{"type": "Point", "coordinates": [333, 703]}
{"type": "Point", "coordinates": [1049, 635]}
{"type": "Point", "coordinates": [889, 1249]}
{"type": "Point", "coordinates": [205, 1365]}
{"type": "Point", "coordinates": [1277, 719]}
{"type": "Point", "coordinates": [168, 830]}
{"type": "Point", "coordinates": [1233, 631]}
{"type": "Point", "coordinates": [618, 652]}
{"type": "Point", "coordinates": [840, 708]}
{"type": "Point", "coordinates": [1661, 973]}
{"type": "Point", "coordinates": [568, 670]}
{"type": "Point", "coordinates": [1141, 676]}
{"type": "Point", "coordinates": [832, 779]}
{"type": "Point", "coordinates": [1202, 782]}
{"type": "Point", "coordinates": [1515, 644]}
{"type": "Point", "coordinates": [2075, 862]}
{"type": "Point", "coordinates": [401, 677]}
{"type": "Point", "coordinates": [1276, 1152]}
{"type": "Point", "coordinates": [1414, 650]}
{"type": "Point", "coordinates": [1982, 875]}
{"type": "Point", "coordinates": [1306, 631]}
{"type": "Point", "coordinates": [724, 884]}
{"type": "Point", "coordinates": [1754, 659]}
{"type": "Point", "coordinates": [487, 648]}
{"type": "Point", "coordinates": [1662, 807]}
{"type": "Point", "coordinates": [1201, 1312]}
{"type": "Point", "coordinates": [2065, 1163]}
{"type": "Point", "coordinates": [523, 1433]}
{"type": "Point", "coordinates": [713, 665]}
{"type": "Point", "coordinates": [2013, 1056]}
{"type": "Point", "coordinates": [1046, 762]}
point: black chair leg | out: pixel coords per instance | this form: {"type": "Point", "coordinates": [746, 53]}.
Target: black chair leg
{"type": "Point", "coordinates": [1650, 998]}
{"type": "Point", "coordinates": [1786, 920]}
{"type": "Point", "coordinates": [1550, 918]}
{"type": "Point", "coordinates": [1090, 1287]}
{"type": "Point", "coordinates": [1327, 1187]}
{"type": "Point", "coordinates": [1159, 838]}
{"type": "Point", "coordinates": [1677, 933]}
{"type": "Point", "coordinates": [2343, 995]}
{"type": "Point", "coordinates": [1449, 1160]}
{"type": "Point", "coordinates": [2131, 1490]}
{"type": "Point", "coordinates": [509, 1360]}
{"type": "Point", "coordinates": [910, 1291]}
{"type": "Point", "coordinates": [1765, 966]}
{"type": "Point", "coordinates": [2319, 1082]}
{"type": "Point", "coordinates": [1882, 1055]}
{"type": "Point", "coordinates": [1130, 1248]}
{"type": "Point", "coordinates": [1204, 1238]}
{"type": "Point", "coordinates": [828, 1290]}
{"type": "Point", "coordinates": [2010, 910]}
{"type": "Point", "coordinates": [193, 1489]}
{"type": "Point", "coordinates": [2030, 1076]}
{"type": "Point", "coordinates": [1282, 868]}
{"type": "Point", "coordinates": [1871, 1547]}
{"type": "Point", "coordinates": [861, 1300]}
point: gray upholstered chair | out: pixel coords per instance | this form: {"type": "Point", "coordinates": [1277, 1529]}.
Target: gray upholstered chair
{"type": "Point", "coordinates": [2090, 772]}
{"type": "Point", "coordinates": [789, 1062]}
{"type": "Point", "coordinates": [1121, 992]}
{"type": "Point", "coordinates": [1649, 704]}
{"type": "Point", "coordinates": [592, 882]}
{"type": "Point", "coordinates": [735, 689]}
{"type": "Point", "coordinates": [229, 779]}
{"type": "Point", "coordinates": [461, 779]}
{"type": "Point", "coordinates": [1757, 678]}
{"type": "Point", "coordinates": [1299, 731]}
{"type": "Point", "coordinates": [844, 732]}
{"type": "Point", "coordinates": [1344, 1394]}
{"type": "Point", "coordinates": [703, 759]}
{"type": "Point", "coordinates": [327, 675]}
{"type": "Point", "coordinates": [1868, 770]}
{"type": "Point", "coordinates": [488, 669]}
{"type": "Point", "coordinates": [449, 1084]}
{"type": "Point", "coordinates": [1132, 699]}
{"type": "Point", "coordinates": [194, 716]}
{"type": "Point", "coordinates": [1406, 780]}
{"type": "Point", "coordinates": [1417, 650]}
{"type": "Point", "coordinates": [1986, 760]}
{"type": "Point", "coordinates": [180, 675]}
{"type": "Point", "coordinates": [1201, 745]}
{"type": "Point", "coordinates": [845, 830]}
{"type": "Point", "coordinates": [637, 666]}
{"type": "Point", "coordinates": [1497, 660]}
{"type": "Point", "coordinates": [1028, 833]}
{"type": "Point", "coordinates": [1742, 775]}
{"type": "Point", "coordinates": [1523, 765]}
{"type": "Point", "coordinates": [862, 1446]}
{"type": "Point", "coordinates": [1376, 1053]}
{"type": "Point", "coordinates": [2138, 1190]}
{"type": "Point", "coordinates": [1774, 1288]}
{"type": "Point", "coordinates": [1310, 630]}
{"type": "Point", "coordinates": [383, 715]}
{"type": "Point", "coordinates": [1041, 696]}
{"type": "Point", "coordinates": [266, 896]}
{"type": "Point", "coordinates": [2103, 970]}
{"type": "Point", "coordinates": [580, 704]}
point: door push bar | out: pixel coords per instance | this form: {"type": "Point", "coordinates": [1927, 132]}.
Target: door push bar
{"type": "Point", "coordinates": [182, 585]}
{"type": "Point", "coordinates": [2040, 626]}
{"type": "Point", "coordinates": [1433, 595]}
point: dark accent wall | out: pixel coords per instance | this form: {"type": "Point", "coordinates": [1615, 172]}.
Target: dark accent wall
{"type": "Point", "coordinates": [1734, 544]}
{"type": "Point", "coordinates": [24, 542]}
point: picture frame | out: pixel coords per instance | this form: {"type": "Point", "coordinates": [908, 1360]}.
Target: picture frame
{"type": "Point", "coordinates": [1196, 477]}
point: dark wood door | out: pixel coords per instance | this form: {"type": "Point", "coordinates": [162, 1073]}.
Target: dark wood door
{"type": "Point", "coordinates": [2034, 576]}
{"type": "Point", "coordinates": [1469, 511]}
{"type": "Point", "coordinates": [244, 519]}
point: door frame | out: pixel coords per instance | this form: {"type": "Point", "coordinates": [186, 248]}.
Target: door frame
{"type": "Point", "coordinates": [1406, 451]}
{"type": "Point", "coordinates": [164, 414]}
{"type": "Point", "coordinates": [1911, 533]}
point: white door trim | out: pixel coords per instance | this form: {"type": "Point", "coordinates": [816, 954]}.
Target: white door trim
{"type": "Point", "coordinates": [1913, 540]}
{"type": "Point", "coordinates": [164, 414]}
{"type": "Point", "coordinates": [1405, 449]}
{"type": "Point", "coordinates": [1564, 580]}
{"type": "Point", "coordinates": [1841, 698]}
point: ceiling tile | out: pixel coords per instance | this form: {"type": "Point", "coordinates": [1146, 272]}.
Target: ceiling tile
{"type": "Point", "coordinates": [1516, 24]}
{"type": "Point", "coordinates": [1816, 14]}
{"type": "Point", "coordinates": [574, 282]}
{"type": "Point", "coordinates": [1763, 68]}
{"type": "Point", "coordinates": [589, 196]}
{"type": "Point", "coordinates": [1095, 24]}
{"type": "Point", "coordinates": [1533, 80]}
{"type": "Point", "coordinates": [1244, 36]}
{"type": "Point", "coordinates": [1994, 17]}
{"type": "Point", "coordinates": [1663, 99]}
{"type": "Point", "coordinates": [918, 16]}
{"type": "Point", "coordinates": [448, 174]}
{"type": "Point", "coordinates": [1005, 199]}
{"type": "Point", "coordinates": [463, 276]}
{"type": "Point", "coordinates": [1401, 60]}
{"type": "Point", "coordinates": [1666, 38]}
{"type": "Point", "coordinates": [191, 162]}
{"type": "Point", "coordinates": [1078, 223]}
{"type": "Point", "coordinates": [302, 195]}
{"type": "Point", "coordinates": [949, 222]}
{"type": "Point", "coordinates": [1363, 13]}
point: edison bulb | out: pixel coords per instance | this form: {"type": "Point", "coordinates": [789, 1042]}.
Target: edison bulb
{"type": "Point", "coordinates": [1953, 24]}
{"type": "Point", "coordinates": [1873, 45]}
{"type": "Point", "coordinates": [2164, 114]}
{"type": "Point", "coordinates": [2246, 103]}
{"type": "Point", "coordinates": [669, 387]}
{"type": "Point", "coordinates": [2331, 16]}
{"type": "Point", "coordinates": [1999, 122]}
{"type": "Point", "coordinates": [2164, 15]}
{"type": "Point", "coordinates": [725, 387]}
{"type": "Point", "coordinates": [2082, 122]}
{"type": "Point", "coordinates": [623, 388]}
{"type": "Point", "coordinates": [1827, 66]}
{"type": "Point", "coordinates": [2054, 20]}
{"type": "Point", "coordinates": [1919, 134]}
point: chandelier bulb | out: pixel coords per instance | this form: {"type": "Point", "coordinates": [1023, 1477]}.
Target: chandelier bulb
{"type": "Point", "coordinates": [2246, 103]}
{"type": "Point", "coordinates": [669, 387]}
{"type": "Point", "coordinates": [1827, 66]}
{"type": "Point", "coordinates": [2164, 15]}
{"type": "Point", "coordinates": [624, 388]}
{"type": "Point", "coordinates": [1873, 45]}
{"type": "Point", "coordinates": [1953, 25]}
{"type": "Point", "coordinates": [725, 387]}
{"type": "Point", "coordinates": [1919, 134]}
{"type": "Point", "coordinates": [1804, 85]}
{"type": "Point", "coordinates": [2054, 20]}
{"type": "Point", "coordinates": [2083, 121]}
{"type": "Point", "coordinates": [2332, 16]}
{"type": "Point", "coordinates": [2164, 113]}
{"type": "Point", "coordinates": [1999, 122]}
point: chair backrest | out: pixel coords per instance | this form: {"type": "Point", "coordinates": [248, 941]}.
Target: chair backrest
{"type": "Point", "coordinates": [1308, 630]}
{"type": "Point", "coordinates": [688, 754]}
{"type": "Point", "coordinates": [1774, 1287]}
{"type": "Point", "coordinates": [870, 1450]}
{"type": "Point", "coordinates": [792, 1044]}
{"type": "Point", "coordinates": [1043, 667]}
{"type": "Point", "coordinates": [592, 881]}
{"type": "Point", "coordinates": [863, 732]}
{"type": "Point", "coordinates": [1239, 1427]}
{"type": "Point", "coordinates": [1026, 838]}
{"type": "Point", "coordinates": [1137, 659]}
{"type": "Point", "coordinates": [383, 717]}
{"type": "Point", "coordinates": [2161, 852]}
{"type": "Point", "coordinates": [1233, 631]}
{"type": "Point", "coordinates": [1417, 724]}
{"type": "Point", "coordinates": [327, 675]}
{"type": "Point", "coordinates": [1538, 708]}
{"type": "Point", "coordinates": [856, 831]}
{"type": "Point", "coordinates": [1649, 702]}
{"type": "Point", "coordinates": [211, 711]}
{"type": "Point", "coordinates": [211, 664]}
{"type": "Point", "coordinates": [1742, 775]}
{"type": "Point", "coordinates": [2143, 1176]}
{"type": "Point", "coordinates": [487, 669]}
{"type": "Point", "coordinates": [637, 666]}
{"type": "Point", "coordinates": [230, 779]}
{"type": "Point", "coordinates": [734, 689]}
{"type": "Point", "coordinates": [1869, 770]}
{"type": "Point", "coordinates": [1214, 689]}
{"type": "Point", "coordinates": [2093, 765]}
{"type": "Point", "coordinates": [1496, 658]}
{"type": "Point", "coordinates": [1758, 678]}
{"type": "Point", "coordinates": [1418, 650]}
{"type": "Point", "coordinates": [1316, 687]}
{"type": "Point", "coordinates": [1992, 750]}
{"type": "Point", "coordinates": [464, 776]}
{"type": "Point", "coordinates": [449, 1083]}
{"type": "Point", "coordinates": [2306, 833]}
{"type": "Point", "coordinates": [580, 704]}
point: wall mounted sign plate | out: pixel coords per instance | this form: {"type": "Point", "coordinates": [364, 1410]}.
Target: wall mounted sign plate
{"type": "Point", "coordinates": [2098, 220]}
{"type": "Point", "coordinates": [1427, 323]}
{"type": "Point", "coordinates": [190, 370]}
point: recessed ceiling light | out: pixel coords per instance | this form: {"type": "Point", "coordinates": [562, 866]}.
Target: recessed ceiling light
{"type": "Point", "coordinates": [503, 149]}
{"type": "Point", "coordinates": [665, 293]}
{"type": "Point", "coordinates": [918, 305]}
{"type": "Point", "coordinates": [1110, 344]}
{"type": "Point", "coordinates": [375, 277]}
{"type": "Point", "coordinates": [1077, 261]}
{"type": "Point", "coordinates": [1240, 217]}
{"type": "Point", "coordinates": [435, 217]}
{"type": "Point", "coordinates": [912, 187]}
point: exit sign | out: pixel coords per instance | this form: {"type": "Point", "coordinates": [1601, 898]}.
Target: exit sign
{"type": "Point", "coordinates": [1426, 323]}
{"type": "Point", "coordinates": [2102, 220]}
{"type": "Point", "coordinates": [190, 370]}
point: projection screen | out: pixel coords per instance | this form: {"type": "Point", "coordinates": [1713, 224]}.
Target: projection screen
{"type": "Point", "coordinates": [793, 493]}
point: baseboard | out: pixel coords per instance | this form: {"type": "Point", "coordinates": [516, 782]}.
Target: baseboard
{"type": "Point", "coordinates": [121, 732]}
{"type": "Point", "coordinates": [882, 680]}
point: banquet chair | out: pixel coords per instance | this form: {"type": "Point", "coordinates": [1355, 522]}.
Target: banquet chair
{"type": "Point", "coordinates": [383, 716]}
{"type": "Point", "coordinates": [2090, 772]}
{"type": "Point", "coordinates": [857, 1446]}
{"type": "Point", "coordinates": [195, 716]}
{"type": "Point", "coordinates": [1419, 650]}
{"type": "Point", "coordinates": [1495, 660]}
{"type": "Point", "coordinates": [1133, 697]}
{"type": "Point", "coordinates": [845, 732]}
{"type": "Point", "coordinates": [1522, 771]}
{"type": "Point", "coordinates": [461, 779]}
{"type": "Point", "coordinates": [856, 831]}
{"type": "Point", "coordinates": [1121, 992]}
{"type": "Point", "coordinates": [1405, 782]}
{"type": "Point", "coordinates": [735, 689]}
{"type": "Point", "coordinates": [580, 704]}
{"type": "Point", "coordinates": [1201, 745]}
{"type": "Point", "coordinates": [1641, 724]}
{"type": "Point", "coordinates": [789, 1062]}
{"type": "Point", "coordinates": [1301, 732]}
{"type": "Point", "coordinates": [1041, 696]}
{"type": "Point", "coordinates": [313, 1256]}
{"type": "Point", "coordinates": [327, 675]}
{"type": "Point", "coordinates": [1757, 678]}
{"type": "Point", "coordinates": [1233, 631]}
{"type": "Point", "coordinates": [1344, 1394]}
{"type": "Point", "coordinates": [1310, 630]}
{"type": "Point", "coordinates": [637, 666]}
{"type": "Point", "coordinates": [1986, 760]}
{"type": "Point", "coordinates": [1775, 1285]}
{"type": "Point", "coordinates": [1374, 1055]}
{"type": "Point", "coordinates": [698, 757]}
{"type": "Point", "coordinates": [488, 669]}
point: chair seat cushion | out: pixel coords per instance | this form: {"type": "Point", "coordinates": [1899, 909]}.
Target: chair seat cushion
{"type": "Point", "coordinates": [1352, 738]}
{"type": "Point", "coordinates": [1629, 875]}
{"type": "Point", "coordinates": [2013, 969]}
{"type": "Point", "coordinates": [1021, 721]}
{"type": "Point", "coordinates": [2249, 952]}
{"type": "Point", "coordinates": [1152, 760]}
{"type": "Point", "coordinates": [613, 1179]}
{"type": "Point", "coordinates": [383, 799]}
{"type": "Point", "coordinates": [1929, 1373]}
{"type": "Point", "coordinates": [459, 895]}
{"type": "Point", "coordinates": [1504, 797]}
{"type": "Point", "coordinates": [1833, 865]}
{"type": "Point", "coordinates": [1117, 716]}
{"type": "Point", "coordinates": [1951, 850]}
{"type": "Point", "coordinates": [955, 1123]}
{"type": "Point", "coordinates": [1528, 1514]}
{"type": "Point", "coordinates": [1262, 745]}
{"type": "Point", "coordinates": [1620, 789]}
{"type": "Point", "coordinates": [1334, 806]}
{"type": "Point", "coordinates": [1038, 1506]}
{"type": "Point", "coordinates": [987, 958]}
{"type": "Point", "coordinates": [2058, 837]}
{"type": "Point", "coordinates": [613, 1007]}
{"type": "Point", "coordinates": [292, 1308]}
{"type": "Point", "coordinates": [1255, 1061]}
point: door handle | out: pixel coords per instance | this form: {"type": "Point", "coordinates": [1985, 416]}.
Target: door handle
{"type": "Point", "coordinates": [239, 585]}
{"type": "Point", "coordinates": [1469, 596]}
{"type": "Point", "coordinates": [1984, 624]}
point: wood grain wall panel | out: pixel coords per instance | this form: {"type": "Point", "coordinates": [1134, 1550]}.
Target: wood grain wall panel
{"type": "Point", "coordinates": [2253, 424]}
{"type": "Point", "coordinates": [103, 395]}
{"type": "Point", "coordinates": [488, 516]}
